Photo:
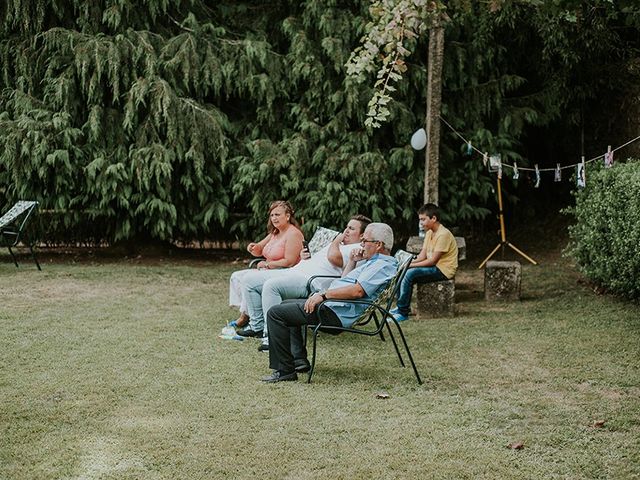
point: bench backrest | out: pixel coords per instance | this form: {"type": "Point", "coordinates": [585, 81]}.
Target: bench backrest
{"type": "Point", "coordinates": [402, 256]}
{"type": "Point", "coordinates": [386, 297]}
{"type": "Point", "coordinates": [16, 211]}
{"type": "Point", "coordinates": [321, 238]}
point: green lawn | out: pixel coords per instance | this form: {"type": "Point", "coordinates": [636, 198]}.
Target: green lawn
{"type": "Point", "coordinates": [115, 370]}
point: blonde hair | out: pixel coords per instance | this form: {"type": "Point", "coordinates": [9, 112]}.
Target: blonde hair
{"type": "Point", "coordinates": [287, 209]}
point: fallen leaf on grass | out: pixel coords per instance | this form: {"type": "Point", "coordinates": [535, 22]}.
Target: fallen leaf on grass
{"type": "Point", "coordinates": [382, 395]}
{"type": "Point", "coordinates": [599, 423]}
{"type": "Point", "coordinates": [516, 445]}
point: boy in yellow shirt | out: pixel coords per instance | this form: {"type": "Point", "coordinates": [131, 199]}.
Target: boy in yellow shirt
{"type": "Point", "coordinates": [437, 261]}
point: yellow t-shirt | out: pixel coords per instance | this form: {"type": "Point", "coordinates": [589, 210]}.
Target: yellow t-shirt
{"type": "Point", "coordinates": [443, 241]}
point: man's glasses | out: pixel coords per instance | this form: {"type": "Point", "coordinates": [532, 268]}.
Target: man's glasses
{"type": "Point", "coordinates": [364, 240]}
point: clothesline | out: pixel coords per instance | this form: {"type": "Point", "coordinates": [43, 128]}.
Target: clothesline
{"type": "Point", "coordinates": [468, 142]}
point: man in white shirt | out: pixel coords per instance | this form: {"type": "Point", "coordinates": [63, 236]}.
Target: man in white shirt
{"type": "Point", "coordinates": [261, 294]}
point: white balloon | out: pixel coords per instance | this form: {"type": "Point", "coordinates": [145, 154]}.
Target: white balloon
{"type": "Point", "coordinates": [419, 139]}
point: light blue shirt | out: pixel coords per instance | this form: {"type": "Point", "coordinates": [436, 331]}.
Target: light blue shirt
{"type": "Point", "coordinates": [373, 276]}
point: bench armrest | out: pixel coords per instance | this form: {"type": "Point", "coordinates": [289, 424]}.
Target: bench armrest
{"type": "Point", "coordinates": [314, 277]}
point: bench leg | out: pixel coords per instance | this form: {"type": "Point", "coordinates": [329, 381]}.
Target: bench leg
{"type": "Point", "coordinates": [33, 254]}
{"type": "Point", "coordinates": [14, 257]}
{"type": "Point", "coordinates": [313, 354]}
{"type": "Point", "coordinates": [393, 340]}
{"type": "Point", "coordinates": [406, 347]}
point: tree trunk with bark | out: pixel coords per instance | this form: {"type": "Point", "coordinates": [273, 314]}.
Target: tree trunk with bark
{"type": "Point", "coordinates": [434, 102]}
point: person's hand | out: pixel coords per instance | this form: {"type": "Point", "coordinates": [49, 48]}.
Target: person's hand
{"type": "Point", "coordinates": [263, 265]}
{"type": "Point", "coordinates": [304, 254]}
{"type": "Point", "coordinates": [356, 254]}
{"type": "Point", "coordinates": [339, 238]}
{"type": "Point", "coordinates": [312, 302]}
{"type": "Point", "coordinates": [250, 247]}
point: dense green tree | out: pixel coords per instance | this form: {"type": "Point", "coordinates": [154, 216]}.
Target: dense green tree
{"type": "Point", "coordinates": [511, 68]}
{"type": "Point", "coordinates": [318, 154]}
{"type": "Point", "coordinates": [182, 119]}
{"type": "Point", "coordinates": [109, 110]}
{"type": "Point", "coordinates": [163, 118]}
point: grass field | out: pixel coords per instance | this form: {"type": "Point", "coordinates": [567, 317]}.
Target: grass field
{"type": "Point", "coordinates": [114, 370]}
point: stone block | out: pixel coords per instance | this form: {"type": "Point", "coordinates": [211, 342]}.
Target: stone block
{"type": "Point", "coordinates": [502, 280]}
{"type": "Point", "coordinates": [414, 245]}
{"type": "Point", "coordinates": [436, 299]}
{"type": "Point", "coordinates": [462, 248]}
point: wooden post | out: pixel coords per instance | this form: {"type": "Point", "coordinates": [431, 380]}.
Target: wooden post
{"type": "Point", "coordinates": [434, 103]}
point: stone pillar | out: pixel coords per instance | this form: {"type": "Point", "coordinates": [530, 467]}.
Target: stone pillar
{"type": "Point", "coordinates": [414, 245]}
{"type": "Point", "coordinates": [502, 280]}
{"type": "Point", "coordinates": [436, 299]}
{"type": "Point", "coordinates": [462, 248]}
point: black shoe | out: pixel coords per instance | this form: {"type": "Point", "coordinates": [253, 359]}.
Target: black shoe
{"type": "Point", "coordinates": [264, 347]}
{"type": "Point", "coordinates": [279, 376]}
{"type": "Point", "coordinates": [247, 332]}
{"type": "Point", "coordinates": [302, 365]}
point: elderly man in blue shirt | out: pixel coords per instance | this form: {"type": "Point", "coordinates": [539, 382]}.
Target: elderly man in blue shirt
{"type": "Point", "coordinates": [287, 354]}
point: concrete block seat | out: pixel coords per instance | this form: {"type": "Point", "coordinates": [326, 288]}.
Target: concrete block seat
{"type": "Point", "coordinates": [414, 245]}
{"type": "Point", "coordinates": [436, 299]}
{"type": "Point", "coordinates": [502, 281]}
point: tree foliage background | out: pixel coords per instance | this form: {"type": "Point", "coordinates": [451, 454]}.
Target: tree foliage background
{"type": "Point", "coordinates": [183, 119]}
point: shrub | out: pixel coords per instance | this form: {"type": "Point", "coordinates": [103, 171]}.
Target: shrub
{"type": "Point", "coordinates": [606, 235]}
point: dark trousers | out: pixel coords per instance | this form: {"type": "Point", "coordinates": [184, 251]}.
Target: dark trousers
{"type": "Point", "coordinates": [285, 335]}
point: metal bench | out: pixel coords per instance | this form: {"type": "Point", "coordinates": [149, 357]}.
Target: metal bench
{"type": "Point", "coordinates": [13, 228]}
{"type": "Point", "coordinates": [374, 319]}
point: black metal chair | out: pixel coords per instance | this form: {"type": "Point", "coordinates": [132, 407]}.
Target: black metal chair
{"type": "Point", "coordinates": [13, 228]}
{"type": "Point", "coordinates": [373, 320]}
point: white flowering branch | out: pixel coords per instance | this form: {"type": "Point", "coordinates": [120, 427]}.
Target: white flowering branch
{"type": "Point", "coordinates": [394, 26]}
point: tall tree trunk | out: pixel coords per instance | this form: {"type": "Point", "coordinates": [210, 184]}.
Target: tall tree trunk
{"type": "Point", "coordinates": [434, 102]}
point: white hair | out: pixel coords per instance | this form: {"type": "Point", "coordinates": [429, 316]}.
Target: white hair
{"type": "Point", "coordinates": [381, 232]}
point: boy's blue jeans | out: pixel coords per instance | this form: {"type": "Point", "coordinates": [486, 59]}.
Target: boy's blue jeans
{"type": "Point", "coordinates": [413, 276]}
